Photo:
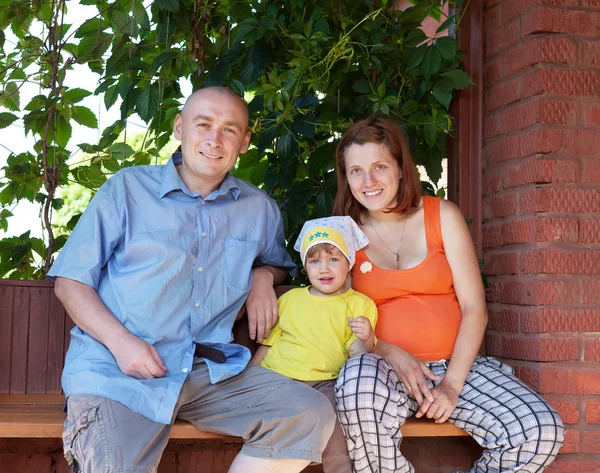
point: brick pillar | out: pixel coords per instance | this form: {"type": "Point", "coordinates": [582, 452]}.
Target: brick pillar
{"type": "Point", "coordinates": [541, 207]}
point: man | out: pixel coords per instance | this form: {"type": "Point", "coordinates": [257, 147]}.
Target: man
{"type": "Point", "coordinates": [158, 267]}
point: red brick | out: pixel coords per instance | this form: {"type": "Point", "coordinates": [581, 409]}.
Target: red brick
{"type": "Point", "coordinates": [535, 348]}
{"type": "Point", "coordinates": [493, 289]}
{"type": "Point", "coordinates": [591, 441]}
{"type": "Point", "coordinates": [590, 291]}
{"type": "Point", "coordinates": [562, 381]}
{"type": "Point", "coordinates": [559, 320]}
{"type": "Point", "coordinates": [539, 292]}
{"type": "Point", "coordinates": [503, 94]}
{"type": "Point", "coordinates": [551, 261]}
{"type": "Point", "coordinates": [496, 41]}
{"type": "Point", "coordinates": [492, 181]}
{"type": "Point", "coordinates": [541, 171]}
{"type": "Point", "coordinates": [506, 262]}
{"type": "Point", "coordinates": [491, 235]}
{"type": "Point", "coordinates": [492, 19]}
{"type": "Point", "coordinates": [14, 462]}
{"type": "Point", "coordinates": [567, 410]}
{"type": "Point", "coordinates": [592, 114]}
{"type": "Point", "coordinates": [530, 376]}
{"type": "Point", "coordinates": [531, 52]}
{"type": "Point", "coordinates": [592, 411]}
{"type": "Point", "coordinates": [591, 170]}
{"type": "Point", "coordinates": [572, 442]}
{"type": "Point", "coordinates": [500, 206]}
{"type": "Point", "coordinates": [557, 229]}
{"type": "Point", "coordinates": [560, 200]}
{"type": "Point", "coordinates": [519, 231]}
{"type": "Point", "coordinates": [502, 319]}
{"type": "Point", "coordinates": [562, 82]}
{"type": "Point", "coordinates": [585, 143]}
{"type": "Point", "coordinates": [590, 3]}
{"type": "Point", "coordinates": [589, 53]}
{"type": "Point", "coordinates": [592, 349]}
{"type": "Point", "coordinates": [530, 230]}
{"type": "Point", "coordinates": [589, 230]}
{"type": "Point", "coordinates": [556, 20]}
{"type": "Point", "coordinates": [567, 466]}
{"type": "Point", "coordinates": [523, 145]}
{"type": "Point", "coordinates": [558, 112]}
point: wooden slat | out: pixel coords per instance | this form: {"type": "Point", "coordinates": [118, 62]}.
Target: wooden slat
{"type": "Point", "coordinates": [26, 283]}
{"type": "Point", "coordinates": [38, 416]}
{"type": "Point", "coordinates": [37, 350]}
{"type": "Point", "coordinates": [56, 348]}
{"type": "Point", "coordinates": [6, 316]}
{"type": "Point", "coordinates": [20, 330]}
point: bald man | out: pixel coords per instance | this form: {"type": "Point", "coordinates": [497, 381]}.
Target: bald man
{"type": "Point", "coordinates": [154, 275]}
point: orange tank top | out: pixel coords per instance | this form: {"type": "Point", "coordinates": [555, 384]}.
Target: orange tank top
{"type": "Point", "coordinates": [417, 307]}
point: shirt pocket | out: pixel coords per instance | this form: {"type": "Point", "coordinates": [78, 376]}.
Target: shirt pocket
{"type": "Point", "coordinates": [238, 261]}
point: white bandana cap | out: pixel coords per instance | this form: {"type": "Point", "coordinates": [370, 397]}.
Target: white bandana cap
{"type": "Point", "coordinates": [341, 232]}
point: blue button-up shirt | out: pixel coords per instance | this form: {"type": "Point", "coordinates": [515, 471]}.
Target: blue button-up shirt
{"type": "Point", "coordinates": [174, 268]}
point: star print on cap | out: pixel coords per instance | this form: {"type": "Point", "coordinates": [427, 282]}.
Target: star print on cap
{"type": "Point", "coordinates": [341, 232]}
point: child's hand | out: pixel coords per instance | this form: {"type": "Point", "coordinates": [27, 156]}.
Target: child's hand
{"type": "Point", "coordinates": [361, 326]}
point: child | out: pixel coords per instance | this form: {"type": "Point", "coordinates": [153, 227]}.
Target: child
{"type": "Point", "coordinates": [322, 325]}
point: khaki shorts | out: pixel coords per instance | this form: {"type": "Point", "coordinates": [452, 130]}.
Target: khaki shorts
{"type": "Point", "coordinates": [277, 417]}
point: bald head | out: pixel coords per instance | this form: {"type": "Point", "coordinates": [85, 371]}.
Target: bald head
{"type": "Point", "coordinates": [216, 94]}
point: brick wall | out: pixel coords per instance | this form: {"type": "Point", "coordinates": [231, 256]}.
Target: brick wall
{"type": "Point", "coordinates": [541, 207]}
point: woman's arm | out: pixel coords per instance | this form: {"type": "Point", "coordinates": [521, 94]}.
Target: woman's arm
{"type": "Point", "coordinates": [468, 286]}
{"type": "Point", "coordinates": [410, 370]}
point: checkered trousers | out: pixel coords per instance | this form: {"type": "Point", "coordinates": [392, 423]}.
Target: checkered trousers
{"type": "Point", "coordinates": [518, 430]}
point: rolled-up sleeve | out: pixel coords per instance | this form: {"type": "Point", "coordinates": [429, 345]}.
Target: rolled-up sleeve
{"type": "Point", "coordinates": [92, 242]}
{"type": "Point", "coordinates": [275, 252]}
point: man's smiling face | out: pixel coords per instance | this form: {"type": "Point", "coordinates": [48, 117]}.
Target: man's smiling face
{"type": "Point", "coordinates": [213, 130]}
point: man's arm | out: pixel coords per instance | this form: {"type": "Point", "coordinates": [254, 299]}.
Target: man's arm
{"type": "Point", "coordinates": [261, 305]}
{"type": "Point", "coordinates": [134, 356]}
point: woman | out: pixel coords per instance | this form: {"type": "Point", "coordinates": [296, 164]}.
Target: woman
{"type": "Point", "coordinates": [421, 270]}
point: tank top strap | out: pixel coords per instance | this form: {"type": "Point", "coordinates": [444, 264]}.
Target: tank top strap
{"type": "Point", "coordinates": [433, 226]}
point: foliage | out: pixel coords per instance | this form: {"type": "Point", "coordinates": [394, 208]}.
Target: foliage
{"type": "Point", "coordinates": [309, 68]}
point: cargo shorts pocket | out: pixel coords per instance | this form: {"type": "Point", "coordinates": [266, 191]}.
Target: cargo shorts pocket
{"type": "Point", "coordinates": [84, 440]}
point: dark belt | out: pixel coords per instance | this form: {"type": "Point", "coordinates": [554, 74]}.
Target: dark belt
{"type": "Point", "coordinates": [210, 353]}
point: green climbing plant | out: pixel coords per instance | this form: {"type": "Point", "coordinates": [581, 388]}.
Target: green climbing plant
{"type": "Point", "coordinates": [307, 68]}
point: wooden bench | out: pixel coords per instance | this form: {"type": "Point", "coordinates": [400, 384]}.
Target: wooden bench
{"type": "Point", "coordinates": [34, 337]}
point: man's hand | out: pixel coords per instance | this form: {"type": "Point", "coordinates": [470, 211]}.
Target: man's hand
{"type": "Point", "coordinates": [261, 304]}
{"type": "Point", "coordinates": [445, 399]}
{"type": "Point", "coordinates": [137, 358]}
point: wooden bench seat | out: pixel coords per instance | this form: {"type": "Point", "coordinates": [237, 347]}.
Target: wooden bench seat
{"type": "Point", "coordinates": [34, 336]}
{"type": "Point", "coordinates": [41, 416]}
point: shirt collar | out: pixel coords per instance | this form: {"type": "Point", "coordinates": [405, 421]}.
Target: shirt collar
{"type": "Point", "coordinates": [172, 181]}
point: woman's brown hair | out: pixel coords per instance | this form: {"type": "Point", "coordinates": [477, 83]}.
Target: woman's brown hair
{"type": "Point", "coordinates": [376, 130]}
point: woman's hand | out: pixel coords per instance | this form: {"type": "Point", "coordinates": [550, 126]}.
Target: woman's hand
{"type": "Point", "coordinates": [445, 398]}
{"type": "Point", "coordinates": [410, 370]}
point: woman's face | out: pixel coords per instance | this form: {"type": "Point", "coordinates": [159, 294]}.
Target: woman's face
{"type": "Point", "coordinates": [373, 175]}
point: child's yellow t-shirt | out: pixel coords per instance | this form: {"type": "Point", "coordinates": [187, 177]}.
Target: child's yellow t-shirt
{"type": "Point", "coordinates": [310, 341]}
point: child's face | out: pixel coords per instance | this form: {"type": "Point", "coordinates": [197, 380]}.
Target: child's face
{"type": "Point", "coordinates": [327, 272]}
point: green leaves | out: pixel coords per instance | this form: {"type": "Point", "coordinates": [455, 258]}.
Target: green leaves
{"type": "Point", "coordinates": [309, 69]}
{"type": "Point", "coordinates": [457, 79]}
{"type": "Point", "coordinates": [84, 116]}
{"type": "Point", "coordinates": [147, 103]}
{"type": "Point", "coordinates": [7, 119]}
{"type": "Point", "coordinates": [10, 97]}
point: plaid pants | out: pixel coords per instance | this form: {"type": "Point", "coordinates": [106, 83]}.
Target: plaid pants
{"type": "Point", "coordinates": [518, 430]}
